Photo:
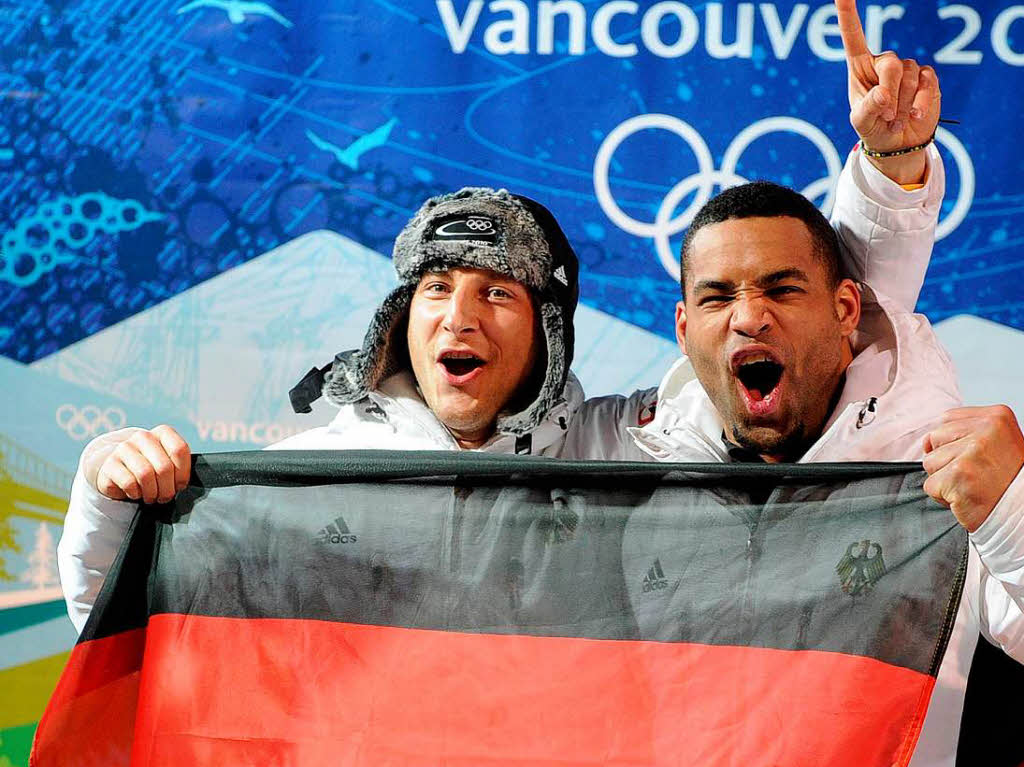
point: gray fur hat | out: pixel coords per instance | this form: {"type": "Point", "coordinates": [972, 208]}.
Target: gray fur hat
{"type": "Point", "coordinates": [480, 228]}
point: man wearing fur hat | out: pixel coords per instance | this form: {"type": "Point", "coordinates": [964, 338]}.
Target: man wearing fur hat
{"type": "Point", "coordinates": [476, 340]}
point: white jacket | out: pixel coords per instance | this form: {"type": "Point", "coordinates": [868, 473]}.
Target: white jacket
{"type": "Point", "coordinates": [897, 387]}
{"type": "Point", "coordinates": [395, 417]}
{"type": "Point", "coordinates": [888, 234]}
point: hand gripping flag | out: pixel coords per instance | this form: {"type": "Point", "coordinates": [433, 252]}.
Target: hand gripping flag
{"type": "Point", "coordinates": [462, 609]}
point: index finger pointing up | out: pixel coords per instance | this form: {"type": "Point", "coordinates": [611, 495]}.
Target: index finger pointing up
{"type": "Point", "coordinates": [854, 41]}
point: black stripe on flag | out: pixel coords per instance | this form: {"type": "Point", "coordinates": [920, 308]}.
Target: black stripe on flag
{"type": "Point", "coordinates": [849, 558]}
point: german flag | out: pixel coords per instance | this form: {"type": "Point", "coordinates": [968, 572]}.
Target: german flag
{"type": "Point", "coordinates": [365, 608]}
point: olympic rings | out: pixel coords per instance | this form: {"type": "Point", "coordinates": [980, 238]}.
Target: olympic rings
{"type": "Point", "coordinates": [479, 225]}
{"type": "Point", "coordinates": [90, 421]}
{"type": "Point", "coordinates": [703, 182]}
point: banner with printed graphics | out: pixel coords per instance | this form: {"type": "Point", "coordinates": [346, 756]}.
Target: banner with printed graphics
{"type": "Point", "coordinates": [198, 198]}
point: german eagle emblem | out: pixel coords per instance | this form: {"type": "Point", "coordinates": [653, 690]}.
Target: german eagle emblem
{"type": "Point", "coordinates": [861, 567]}
{"type": "Point", "coordinates": [559, 524]}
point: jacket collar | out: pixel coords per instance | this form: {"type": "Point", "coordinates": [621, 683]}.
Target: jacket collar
{"type": "Point", "coordinates": [402, 406]}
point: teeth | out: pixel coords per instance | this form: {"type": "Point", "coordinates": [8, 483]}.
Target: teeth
{"type": "Point", "coordinates": [459, 356]}
{"type": "Point", "coordinates": [757, 358]}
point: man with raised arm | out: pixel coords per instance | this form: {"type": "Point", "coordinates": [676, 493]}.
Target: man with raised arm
{"type": "Point", "coordinates": [788, 359]}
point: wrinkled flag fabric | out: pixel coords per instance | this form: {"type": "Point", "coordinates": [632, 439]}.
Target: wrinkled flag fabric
{"type": "Point", "coordinates": [373, 608]}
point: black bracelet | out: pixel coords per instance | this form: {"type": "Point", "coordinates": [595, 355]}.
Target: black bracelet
{"type": "Point", "coordinates": [895, 152]}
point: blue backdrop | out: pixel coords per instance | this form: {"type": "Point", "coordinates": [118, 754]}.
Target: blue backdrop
{"type": "Point", "coordinates": [211, 131]}
{"type": "Point", "coordinates": [198, 198]}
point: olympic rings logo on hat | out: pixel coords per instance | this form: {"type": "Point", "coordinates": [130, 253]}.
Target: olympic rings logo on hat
{"type": "Point", "coordinates": [703, 183]}
{"type": "Point", "coordinates": [89, 421]}
{"type": "Point", "coordinates": [480, 224]}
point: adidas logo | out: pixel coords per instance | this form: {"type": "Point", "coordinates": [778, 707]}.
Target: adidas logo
{"type": "Point", "coordinates": [336, 532]}
{"type": "Point", "coordinates": [560, 276]}
{"type": "Point", "coordinates": [655, 579]}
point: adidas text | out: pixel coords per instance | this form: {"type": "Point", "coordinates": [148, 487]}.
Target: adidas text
{"type": "Point", "coordinates": [336, 538]}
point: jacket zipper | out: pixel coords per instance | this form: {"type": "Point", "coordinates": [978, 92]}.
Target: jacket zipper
{"type": "Point", "coordinates": [751, 556]}
{"type": "Point", "coordinates": [458, 515]}
{"type": "Point", "coordinates": [862, 408]}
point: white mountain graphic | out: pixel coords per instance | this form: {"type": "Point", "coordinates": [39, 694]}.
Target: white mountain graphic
{"type": "Point", "coordinates": [227, 351]}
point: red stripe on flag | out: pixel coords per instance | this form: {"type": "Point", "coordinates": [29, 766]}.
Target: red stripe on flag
{"type": "Point", "coordinates": [91, 716]}
{"type": "Point", "coordinates": [274, 691]}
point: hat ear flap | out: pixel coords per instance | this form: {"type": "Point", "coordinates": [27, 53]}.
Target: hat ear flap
{"type": "Point", "coordinates": [354, 374]}
{"type": "Point", "coordinates": [527, 419]}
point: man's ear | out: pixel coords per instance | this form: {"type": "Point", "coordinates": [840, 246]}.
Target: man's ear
{"type": "Point", "coordinates": [848, 306]}
{"type": "Point", "coordinates": [681, 325]}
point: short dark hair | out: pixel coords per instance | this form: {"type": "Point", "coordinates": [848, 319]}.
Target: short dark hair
{"type": "Point", "coordinates": [763, 199]}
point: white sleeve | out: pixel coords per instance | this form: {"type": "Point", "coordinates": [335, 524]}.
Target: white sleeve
{"type": "Point", "coordinates": [887, 233]}
{"type": "Point", "coordinates": [94, 528]}
{"type": "Point", "coordinates": [997, 590]}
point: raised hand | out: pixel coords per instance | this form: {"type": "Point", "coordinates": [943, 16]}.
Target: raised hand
{"type": "Point", "coordinates": [136, 464]}
{"type": "Point", "coordinates": [971, 459]}
{"type": "Point", "coordinates": [894, 102]}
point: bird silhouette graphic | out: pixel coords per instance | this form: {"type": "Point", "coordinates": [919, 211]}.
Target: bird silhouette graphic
{"type": "Point", "coordinates": [350, 155]}
{"type": "Point", "coordinates": [237, 10]}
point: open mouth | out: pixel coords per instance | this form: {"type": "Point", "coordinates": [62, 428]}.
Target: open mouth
{"type": "Point", "coordinates": [760, 380]}
{"type": "Point", "coordinates": [459, 364]}
{"type": "Point", "coordinates": [760, 377]}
